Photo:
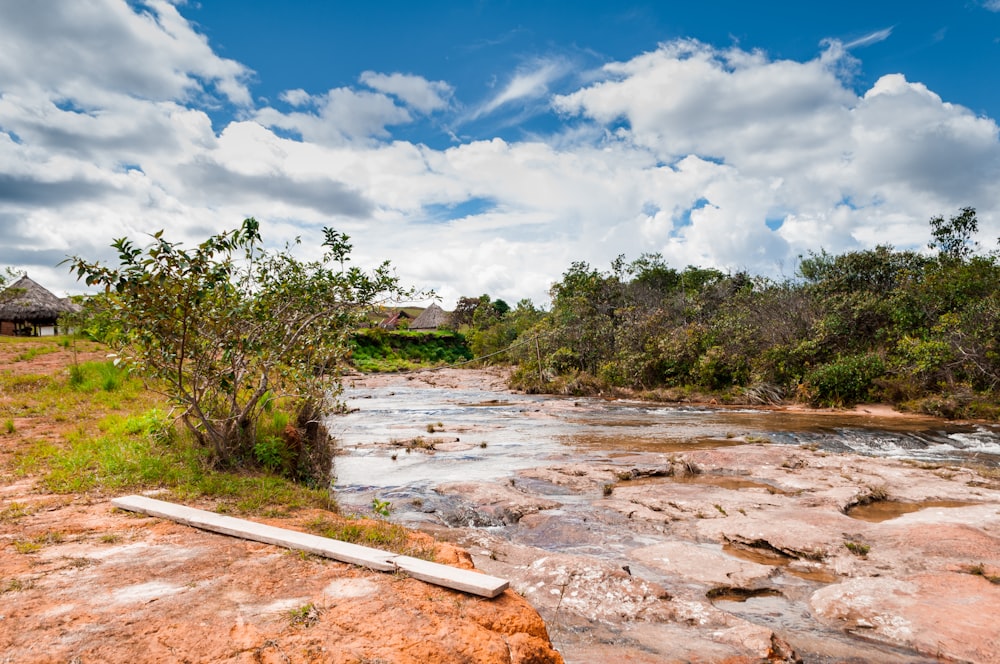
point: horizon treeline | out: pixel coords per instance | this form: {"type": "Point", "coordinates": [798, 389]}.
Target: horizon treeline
{"type": "Point", "coordinates": [921, 331]}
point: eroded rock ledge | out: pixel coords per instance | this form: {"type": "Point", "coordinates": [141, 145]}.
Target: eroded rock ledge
{"type": "Point", "coordinates": [665, 554]}
{"type": "Point", "coordinates": [113, 587]}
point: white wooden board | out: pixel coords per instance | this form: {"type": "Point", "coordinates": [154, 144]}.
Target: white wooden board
{"type": "Point", "coordinates": [442, 575]}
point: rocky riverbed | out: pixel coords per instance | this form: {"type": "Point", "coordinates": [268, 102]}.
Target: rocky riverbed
{"type": "Point", "coordinates": [736, 550]}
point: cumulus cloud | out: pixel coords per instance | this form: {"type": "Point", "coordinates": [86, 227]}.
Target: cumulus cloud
{"type": "Point", "coordinates": [798, 136]}
{"type": "Point", "coordinates": [297, 97]}
{"type": "Point", "coordinates": [342, 115]}
{"type": "Point", "coordinates": [720, 157]}
{"type": "Point", "coordinates": [414, 91]}
{"type": "Point", "coordinates": [96, 49]}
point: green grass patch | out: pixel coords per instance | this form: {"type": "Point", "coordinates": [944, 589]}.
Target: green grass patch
{"type": "Point", "coordinates": [146, 451]}
{"type": "Point", "coordinates": [375, 350]}
{"type": "Point", "coordinates": [124, 440]}
{"type": "Point", "coordinates": [375, 533]}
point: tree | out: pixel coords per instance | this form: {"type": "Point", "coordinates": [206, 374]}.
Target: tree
{"type": "Point", "coordinates": [465, 309]}
{"type": "Point", "coordinates": [953, 238]}
{"type": "Point", "coordinates": [227, 330]}
{"type": "Point", "coordinates": [8, 274]}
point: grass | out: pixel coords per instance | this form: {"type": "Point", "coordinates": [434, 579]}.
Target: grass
{"type": "Point", "coordinates": [306, 615]}
{"type": "Point", "coordinates": [370, 532]}
{"type": "Point", "coordinates": [14, 511]}
{"type": "Point", "coordinates": [376, 350]}
{"type": "Point", "coordinates": [15, 585]}
{"type": "Point", "coordinates": [124, 439]}
{"type": "Point", "coordinates": [35, 544]}
{"type": "Point", "coordinates": [858, 549]}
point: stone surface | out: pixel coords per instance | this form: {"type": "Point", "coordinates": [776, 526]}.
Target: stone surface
{"type": "Point", "coordinates": [634, 563]}
{"type": "Point", "coordinates": [117, 587]}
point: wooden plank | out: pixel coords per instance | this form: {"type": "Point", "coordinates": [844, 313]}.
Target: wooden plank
{"type": "Point", "coordinates": [452, 577]}
{"type": "Point", "coordinates": [384, 561]}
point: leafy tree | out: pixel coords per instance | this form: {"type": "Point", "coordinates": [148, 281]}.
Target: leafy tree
{"type": "Point", "coordinates": [227, 329]}
{"type": "Point", "coordinates": [478, 312]}
{"type": "Point", "coordinates": [585, 311]}
{"type": "Point", "coordinates": [9, 274]}
{"type": "Point", "coordinates": [953, 238]}
{"type": "Point", "coordinates": [503, 331]}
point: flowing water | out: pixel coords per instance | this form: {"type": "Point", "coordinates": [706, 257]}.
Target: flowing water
{"type": "Point", "coordinates": [493, 434]}
{"type": "Point", "coordinates": [400, 442]}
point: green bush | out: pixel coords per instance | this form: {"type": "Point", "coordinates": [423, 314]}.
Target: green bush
{"type": "Point", "coordinates": [844, 382]}
{"type": "Point", "coordinates": [378, 350]}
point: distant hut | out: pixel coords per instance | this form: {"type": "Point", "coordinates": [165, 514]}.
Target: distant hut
{"type": "Point", "coordinates": [431, 318]}
{"type": "Point", "coordinates": [27, 309]}
{"type": "Point", "coordinates": [394, 320]}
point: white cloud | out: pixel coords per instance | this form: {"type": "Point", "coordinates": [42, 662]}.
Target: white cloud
{"type": "Point", "coordinates": [718, 157]}
{"type": "Point", "coordinates": [415, 91]}
{"type": "Point", "coordinates": [297, 97]}
{"type": "Point", "coordinates": [992, 5]}
{"type": "Point", "coordinates": [530, 82]}
{"type": "Point", "coordinates": [897, 149]}
{"type": "Point", "coordinates": [870, 38]}
{"type": "Point", "coordinates": [342, 115]}
{"type": "Point", "coordinates": [88, 50]}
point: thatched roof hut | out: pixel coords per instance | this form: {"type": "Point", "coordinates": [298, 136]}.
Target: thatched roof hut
{"type": "Point", "coordinates": [27, 309]}
{"type": "Point", "coordinates": [431, 318]}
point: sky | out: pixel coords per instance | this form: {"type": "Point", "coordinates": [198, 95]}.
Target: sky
{"type": "Point", "coordinates": [484, 146]}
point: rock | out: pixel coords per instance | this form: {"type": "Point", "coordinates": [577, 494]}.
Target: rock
{"type": "Point", "coordinates": [947, 615]}
{"type": "Point", "coordinates": [119, 588]}
{"type": "Point", "coordinates": [490, 504]}
{"type": "Point", "coordinates": [703, 564]}
{"type": "Point", "coordinates": [578, 588]}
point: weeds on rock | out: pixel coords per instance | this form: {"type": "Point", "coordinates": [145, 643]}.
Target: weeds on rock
{"type": "Point", "coordinates": [381, 507]}
{"type": "Point", "coordinates": [306, 615]}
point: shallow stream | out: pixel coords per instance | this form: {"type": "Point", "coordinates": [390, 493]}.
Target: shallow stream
{"type": "Point", "coordinates": [402, 441]}
{"type": "Point", "coordinates": [487, 435]}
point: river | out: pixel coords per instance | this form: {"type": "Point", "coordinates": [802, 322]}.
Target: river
{"type": "Point", "coordinates": [426, 445]}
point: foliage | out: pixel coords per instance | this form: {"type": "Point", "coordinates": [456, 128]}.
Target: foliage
{"type": "Point", "coordinates": [374, 349]}
{"type": "Point", "coordinates": [9, 274]}
{"type": "Point", "coordinates": [127, 440]}
{"type": "Point", "coordinates": [953, 238]}
{"type": "Point", "coordinates": [227, 329]}
{"type": "Point", "coordinates": [919, 330]}
{"type": "Point", "coordinates": [844, 381]}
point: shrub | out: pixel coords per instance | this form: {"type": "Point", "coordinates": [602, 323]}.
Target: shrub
{"type": "Point", "coordinates": [843, 382]}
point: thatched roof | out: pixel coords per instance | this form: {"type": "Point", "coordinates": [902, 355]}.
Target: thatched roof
{"type": "Point", "coordinates": [25, 300]}
{"type": "Point", "coordinates": [431, 318]}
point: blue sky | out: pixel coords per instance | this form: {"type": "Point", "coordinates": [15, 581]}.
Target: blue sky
{"type": "Point", "coordinates": [483, 146]}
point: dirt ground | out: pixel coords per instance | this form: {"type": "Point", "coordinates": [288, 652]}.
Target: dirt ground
{"type": "Point", "coordinates": [82, 582]}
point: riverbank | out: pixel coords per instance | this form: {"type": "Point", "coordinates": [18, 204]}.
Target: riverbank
{"type": "Point", "coordinates": [81, 581]}
{"type": "Point", "coordinates": [498, 378]}
{"type": "Point", "coordinates": [709, 544]}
